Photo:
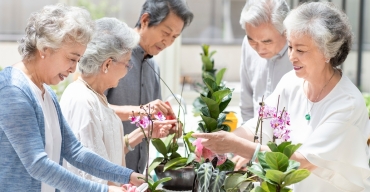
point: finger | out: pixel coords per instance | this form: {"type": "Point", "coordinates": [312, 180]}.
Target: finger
{"type": "Point", "coordinates": [165, 122]}
{"type": "Point", "coordinates": [202, 135]}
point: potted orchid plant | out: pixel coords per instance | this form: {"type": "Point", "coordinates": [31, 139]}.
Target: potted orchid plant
{"type": "Point", "coordinates": [274, 170]}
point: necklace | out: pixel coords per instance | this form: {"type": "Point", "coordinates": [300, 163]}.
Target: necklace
{"type": "Point", "coordinates": [103, 98]}
{"type": "Point", "coordinates": [308, 115]}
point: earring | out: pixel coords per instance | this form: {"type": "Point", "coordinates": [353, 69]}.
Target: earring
{"type": "Point", "coordinates": [42, 56]}
{"type": "Point", "coordinates": [327, 61]}
{"type": "Point", "coordinates": [106, 71]}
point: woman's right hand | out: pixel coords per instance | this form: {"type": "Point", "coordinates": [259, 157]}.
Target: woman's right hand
{"type": "Point", "coordinates": [137, 179]}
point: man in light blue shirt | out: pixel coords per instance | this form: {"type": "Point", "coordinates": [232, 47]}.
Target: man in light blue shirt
{"type": "Point", "coordinates": [264, 58]}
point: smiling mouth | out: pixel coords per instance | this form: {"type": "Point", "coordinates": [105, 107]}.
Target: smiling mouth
{"type": "Point", "coordinates": [297, 68]}
{"type": "Point", "coordinates": [62, 77]}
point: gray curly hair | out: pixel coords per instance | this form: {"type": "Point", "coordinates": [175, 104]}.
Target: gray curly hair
{"type": "Point", "coordinates": [257, 12]}
{"type": "Point", "coordinates": [54, 25]}
{"type": "Point", "coordinates": [112, 39]}
{"type": "Point", "coordinates": [328, 27]}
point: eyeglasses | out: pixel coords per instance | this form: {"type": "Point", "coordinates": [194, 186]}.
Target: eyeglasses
{"type": "Point", "coordinates": [128, 65]}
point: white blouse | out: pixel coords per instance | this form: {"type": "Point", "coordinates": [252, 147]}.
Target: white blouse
{"type": "Point", "coordinates": [53, 137]}
{"type": "Point", "coordinates": [334, 139]}
{"type": "Point", "coordinates": [95, 125]}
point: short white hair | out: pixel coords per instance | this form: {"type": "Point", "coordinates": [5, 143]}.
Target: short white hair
{"type": "Point", "coordinates": [53, 26]}
{"type": "Point", "coordinates": [327, 25]}
{"type": "Point", "coordinates": [112, 39]}
{"type": "Point", "coordinates": [257, 12]}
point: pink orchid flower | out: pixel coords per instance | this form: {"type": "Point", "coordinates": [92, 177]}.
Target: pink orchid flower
{"type": "Point", "coordinates": [134, 119]}
{"type": "Point", "coordinates": [203, 153]}
{"type": "Point", "coordinates": [143, 122]}
{"type": "Point", "coordinates": [160, 116]}
{"type": "Point", "coordinates": [130, 188]}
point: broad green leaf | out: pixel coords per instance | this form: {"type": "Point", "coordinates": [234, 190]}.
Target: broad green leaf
{"type": "Point", "coordinates": [217, 180]}
{"type": "Point", "coordinates": [220, 75]}
{"type": "Point", "coordinates": [296, 176]}
{"type": "Point", "coordinates": [221, 119]}
{"type": "Point", "coordinates": [290, 149]}
{"type": "Point", "coordinates": [212, 107]}
{"type": "Point", "coordinates": [286, 189]}
{"type": "Point", "coordinates": [191, 158]}
{"type": "Point", "coordinates": [180, 161]}
{"type": "Point", "coordinates": [258, 189]}
{"type": "Point", "coordinates": [211, 124]}
{"type": "Point", "coordinates": [224, 103]}
{"type": "Point", "coordinates": [175, 155]}
{"type": "Point", "coordinates": [225, 127]}
{"type": "Point", "coordinates": [155, 163]}
{"type": "Point", "coordinates": [272, 146]}
{"type": "Point", "coordinates": [202, 127]}
{"type": "Point", "coordinates": [159, 145]}
{"type": "Point", "coordinates": [268, 186]}
{"type": "Point", "coordinates": [186, 139]}
{"type": "Point", "coordinates": [211, 54]}
{"type": "Point", "coordinates": [282, 146]}
{"type": "Point", "coordinates": [155, 185]}
{"type": "Point", "coordinates": [262, 159]}
{"type": "Point", "coordinates": [228, 165]}
{"type": "Point", "coordinates": [293, 165]}
{"type": "Point", "coordinates": [233, 180]}
{"type": "Point", "coordinates": [275, 176]}
{"type": "Point", "coordinates": [205, 48]}
{"type": "Point", "coordinates": [204, 175]}
{"type": "Point", "coordinates": [211, 84]}
{"type": "Point", "coordinates": [277, 161]}
{"type": "Point", "coordinates": [168, 140]}
{"type": "Point", "coordinates": [257, 170]}
{"type": "Point", "coordinates": [206, 63]}
{"type": "Point", "coordinates": [173, 147]}
{"type": "Point", "coordinates": [219, 95]}
{"type": "Point", "coordinates": [204, 110]}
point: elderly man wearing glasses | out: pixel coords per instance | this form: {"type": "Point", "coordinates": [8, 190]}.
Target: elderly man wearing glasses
{"type": "Point", "coordinates": [84, 105]}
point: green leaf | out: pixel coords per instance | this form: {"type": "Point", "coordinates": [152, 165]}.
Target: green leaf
{"type": "Point", "coordinates": [212, 107]}
{"type": "Point", "coordinates": [277, 161]}
{"type": "Point", "coordinates": [275, 176]}
{"type": "Point", "coordinates": [204, 175]}
{"type": "Point", "coordinates": [191, 158]}
{"type": "Point", "coordinates": [295, 177]}
{"type": "Point", "coordinates": [168, 140]}
{"type": "Point", "coordinates": [210, 83]}
{"type": "Point", "coordinates": [228, 165]}
{"type": "Point", "coordinates": [221, 119]}
{"type": "Point", "coordinates": [205, 48]}
{"type": "Point", "coordinates": [159, 145]}
{"type": "Point", "coordinates": [217, 180]}
{"type": "Point", "coordinates": [204, 110]}
{"type": "Point", "coordinates": [211, 124]}
{"type": "Point", "coordinates": [203, 127]}
{"type": "Point", "coordinates": [155, 163]}
{"type": "Point", "coordinates": [257, 170]}
{"type": "Point", "coordinates": [220, 75]}
{"type": "Point", "coordinates": [206, 63]}
{"type": "Point", "coordinates": [293, 165]}
{"type": "Point", "coordinates": [282, 146]}
{"type": "Point", "coordinates": [225, 103]}
{"type": "Point", "coordinates": [268, 186]}
{"type": "Point", "coordinates": [211, 54]}
{"type": "Point", "coordinates": [272, 146]}
{"type": "Point", "coordinates": [186, 139]}
{"type": "Point", "coordinates": [290, 149]}
{"type": "Point", "coordinates": [175, 155]}
{"type": "Point", "coordinates": [180, 161]}
{"type": "Point", "coordinates": [219, 95]}
{"type": "Point", "coordinates": [155, 184]}
{"type": "Point", "coordinates": [235, 180]}
{"type": "Point", "coordinates": [262, 159]}
{"type": "Point", "coordinates": [258, 189]}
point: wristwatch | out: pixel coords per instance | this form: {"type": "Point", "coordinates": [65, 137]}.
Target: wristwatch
{"type": "Point", "coordinates": [127, 143]}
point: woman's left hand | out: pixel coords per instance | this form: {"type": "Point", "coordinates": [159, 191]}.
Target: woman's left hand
{"type": "Point", "coordinates": [162, 128]}
{"type": "Point", "coordinates": [218, 142]}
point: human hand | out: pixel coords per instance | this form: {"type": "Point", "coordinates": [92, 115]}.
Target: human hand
{"type": "Point", "coordinates": [160, 106]}
{"type": "Point", "coordinates": [115, 189]}
{"type": "Point", "coordinates": [218, 142]}
{"type": "Point", "coordinates": [136, 179]}
{"type": "Point", "coordinates": [240, 162]}
{"type": "Point", "coordinates": [177, 130]}
{"type": "Point", "coordinates": [162, 128]}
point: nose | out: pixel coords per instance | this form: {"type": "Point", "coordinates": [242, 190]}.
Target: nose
{"type": "Point", "coordinates": [72, 69]}
{"type": "Point", "coordinates": [292, 56]}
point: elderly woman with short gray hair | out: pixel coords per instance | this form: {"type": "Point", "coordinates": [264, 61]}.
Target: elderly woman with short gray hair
{"type": "Point", "coordinates": [327, 112]}
{"type": "Point", "coordinates": [85, 106]}
{"type": "Point", "coordinates": [34, 136]}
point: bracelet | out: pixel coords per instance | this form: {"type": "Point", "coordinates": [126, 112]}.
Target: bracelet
{"type": "Point", "coordinates": [256, 152]}
{"type": "Point", "coordinates": [127, 143]}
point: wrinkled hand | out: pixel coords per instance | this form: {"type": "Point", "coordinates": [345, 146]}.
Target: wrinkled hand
{"type": "Point", "coordinates": [240, 162]}
{"type": "Point", "coordinates": [218, 142]}
{"type": "Point", "coordinates": [177, 129]}
{"type": "Point", "coordinates": [160, 106]}
{"type": "Point", "coordinates": [162, 128]}
{"type": "Point", "coordinates": [135, 179]}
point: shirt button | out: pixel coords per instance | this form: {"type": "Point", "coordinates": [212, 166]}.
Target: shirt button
{"type": "Point", "coordinates": [142, 85]}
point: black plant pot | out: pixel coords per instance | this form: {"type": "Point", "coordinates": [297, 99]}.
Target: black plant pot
{"type": "Point", "coordinates": [182, 179]}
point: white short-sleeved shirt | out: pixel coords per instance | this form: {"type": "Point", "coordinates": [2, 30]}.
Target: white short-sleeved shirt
{"type": "Point", "coordinates": [334, 139]}
{"type": "Point", "coordinates": [95, 125]}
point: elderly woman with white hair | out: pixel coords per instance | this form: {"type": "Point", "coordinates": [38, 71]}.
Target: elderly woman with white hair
{"type": "Point", "coordinates": [85, 106]}
{"type": "Point", "coordinates": [327, 112]}
{"type": "Point", "coordinates": [34, 136]}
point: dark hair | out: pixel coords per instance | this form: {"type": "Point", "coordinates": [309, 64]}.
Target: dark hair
{"type": "Point", "coordinates": [159, 9]}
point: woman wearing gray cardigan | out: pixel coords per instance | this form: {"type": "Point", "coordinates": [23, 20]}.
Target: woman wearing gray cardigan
{"type": "Point", "coordinates": [34, 136]}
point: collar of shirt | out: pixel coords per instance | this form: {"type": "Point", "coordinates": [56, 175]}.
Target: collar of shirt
{"type": "Point", "coordinates": [139, 52]}
{"type": "Point", "coordinates": [281, 53]}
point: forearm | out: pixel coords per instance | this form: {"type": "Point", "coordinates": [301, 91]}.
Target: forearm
{"type": "Point", "coordinates": [125, 112]}
{"type": "Point", "coordinates": [134, 138]}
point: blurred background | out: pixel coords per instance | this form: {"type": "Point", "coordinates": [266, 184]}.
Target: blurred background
{"type": "Point", "coordinates": [216, 22]}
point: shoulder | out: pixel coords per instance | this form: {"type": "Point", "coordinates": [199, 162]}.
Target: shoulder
{"type": "Point", "coordinates": [77, 95]}
{"type": "Point", "coordinates": [15, 83]}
